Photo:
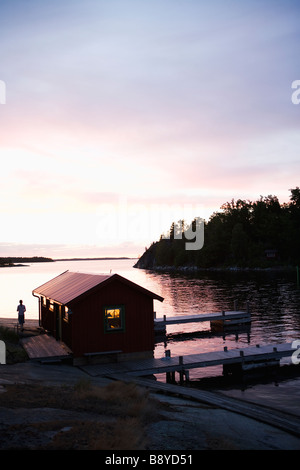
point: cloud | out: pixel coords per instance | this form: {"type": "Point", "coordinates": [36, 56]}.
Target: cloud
{"type": "Point", "coordinates": [163, 103]}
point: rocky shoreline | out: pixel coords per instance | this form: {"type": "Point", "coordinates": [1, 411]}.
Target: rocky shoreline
{"type": "Point", "coordinates": [225, 269]}
{"type": "Point", "coordinates": [176, 423]}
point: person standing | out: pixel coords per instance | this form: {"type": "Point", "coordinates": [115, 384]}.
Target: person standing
{"type": "Point", "coordinates": [21, 309]}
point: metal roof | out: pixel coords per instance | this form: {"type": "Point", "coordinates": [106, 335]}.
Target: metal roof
{"type": "Point", "coordinates": [70, 285]}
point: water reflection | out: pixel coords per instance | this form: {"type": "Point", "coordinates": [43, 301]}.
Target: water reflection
{"type": "Point", "coordinates": [273, 297]}
{"type": "Point", "coordinates": [274, 302]}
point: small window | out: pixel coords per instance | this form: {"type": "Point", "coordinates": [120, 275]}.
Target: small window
{"type": "Point", "coordinates": [51, 305]}
{"type": "Point", "coordinates": [114, 318]}
{"type": "Point", "coordinates": [65, 312]}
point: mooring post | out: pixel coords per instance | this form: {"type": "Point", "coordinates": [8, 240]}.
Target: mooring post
{"type": "Point", "coordinates": [235, 305]}
{"type": "Point", "coordinates": [164, 318]}
{"type": "Point", "coordinates": [181, 374]}
{"type": "Point", "coordinates": [168, 374]}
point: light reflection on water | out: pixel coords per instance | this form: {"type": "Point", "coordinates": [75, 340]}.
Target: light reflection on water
{"type": "Point", "coordinates": [274, 301]}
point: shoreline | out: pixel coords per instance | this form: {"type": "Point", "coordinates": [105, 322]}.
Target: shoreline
{"type": "Point", "coordinates": [196, 269]}
{"type": "Point", "coordinates": [50, 260]}
{"type": "Point", "coordinates": [186, 424]}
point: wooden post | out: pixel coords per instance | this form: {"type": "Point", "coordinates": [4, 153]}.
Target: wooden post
{"type": "Point", "coordinates": [235, 305]}
{"type": "Point", "coordinates": [181, 373]}
{"type": "Point", "coordinates": [164, 318]}
{"type": "Point", "coordinates": [168, 374]}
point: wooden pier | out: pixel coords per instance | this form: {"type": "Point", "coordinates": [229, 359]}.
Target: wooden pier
{"type": "Point", "coordinates": [44, 348]}
{"type": "Point", "coordinates": [233, 361]}
{"type": "Point", "coordinates": [217, 320]}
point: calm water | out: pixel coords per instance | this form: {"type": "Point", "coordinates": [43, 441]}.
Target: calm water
{"type": "Point", "coordinates": [274, 301]}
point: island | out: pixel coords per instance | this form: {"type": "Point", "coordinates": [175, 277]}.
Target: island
{"type": "Point", "coordinates": [263, 234]}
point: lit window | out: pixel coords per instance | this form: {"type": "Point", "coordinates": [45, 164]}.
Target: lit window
{"type": "Point", "coordinates": [114, 318]}
{"type": "Point", "coordinates": [65, 312]}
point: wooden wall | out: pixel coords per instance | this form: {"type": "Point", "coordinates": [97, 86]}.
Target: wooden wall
{"type": "Point", "coordinates": [88, 332]}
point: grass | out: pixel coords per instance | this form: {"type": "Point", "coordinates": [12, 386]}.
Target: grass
{"type": "Point", "coordinates": [117, 416]}
{"type": "Point", "coordinates": [14, 351]}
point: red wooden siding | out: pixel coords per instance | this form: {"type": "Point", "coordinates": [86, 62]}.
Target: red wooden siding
{"type": "Point", "coordinates": [88, 332]}
{"type": "Point", "coordinates": [84, 332]}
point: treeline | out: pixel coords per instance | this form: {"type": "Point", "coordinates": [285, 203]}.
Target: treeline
{"type": "Point", "coordinates": [263, 233]}
{"type": "Point", "coordinates": [12, 260]}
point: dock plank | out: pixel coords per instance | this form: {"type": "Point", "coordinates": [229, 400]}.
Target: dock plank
{"type": "Point", "coordinates": [193, 361]}
{"type": "Point", "coordinates": [202, 317]}
{"type": "Point", "coordinates": [44, 347]}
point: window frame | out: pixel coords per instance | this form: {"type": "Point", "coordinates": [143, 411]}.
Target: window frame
{"type": "Point", "coordinates": [122, 317]}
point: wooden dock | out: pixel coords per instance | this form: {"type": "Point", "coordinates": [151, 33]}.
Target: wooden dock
{"type": "Point", "coordinates": [45, 348]}
{"type": "Point", "coordinates": [219, 319]}
{"type": "Point", "coordinates": [232, 361]}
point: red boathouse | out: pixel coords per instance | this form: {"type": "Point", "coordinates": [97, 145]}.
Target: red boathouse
{"type": "Point", "coordinates": [98, 315]}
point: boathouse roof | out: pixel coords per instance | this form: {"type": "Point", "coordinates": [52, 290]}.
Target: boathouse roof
{"type": "Point", "coordinates": [68, 286]}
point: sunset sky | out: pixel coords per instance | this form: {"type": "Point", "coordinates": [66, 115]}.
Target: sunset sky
{"type": "Point", "coordinates": [122, 116]}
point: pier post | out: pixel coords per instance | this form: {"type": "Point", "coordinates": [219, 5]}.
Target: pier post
{"type": "Point", "coordinates": [181, 371]}
{"type": "Point", "coordinates": [169, 375]}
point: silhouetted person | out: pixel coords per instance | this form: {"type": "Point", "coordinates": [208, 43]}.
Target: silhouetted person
{"type": "Point", "coordinates": [21, 309]}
